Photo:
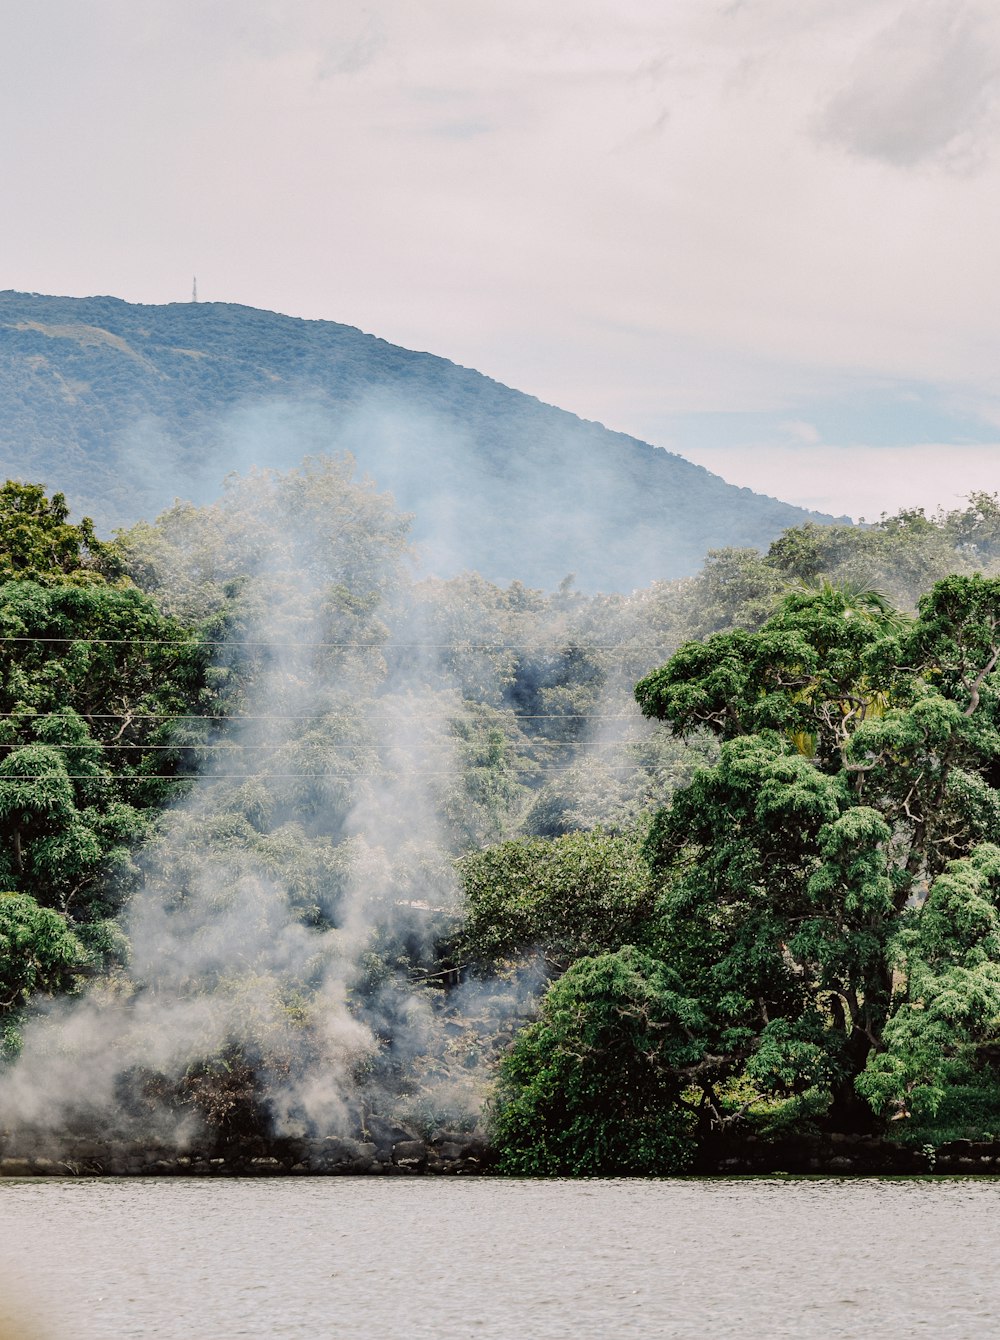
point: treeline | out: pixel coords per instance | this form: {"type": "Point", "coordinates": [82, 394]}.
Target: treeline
{"type": "Point", "coordinates": [762, 895]}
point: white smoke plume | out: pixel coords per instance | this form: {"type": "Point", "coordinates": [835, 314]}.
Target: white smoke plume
{"type": "Point", "coordinates": [292, 895]}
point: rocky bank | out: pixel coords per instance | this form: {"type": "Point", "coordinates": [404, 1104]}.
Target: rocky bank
{"type": "Point", "coordinates": [446, 1153]}
{"type": "Point", "coordinates": [848, 1155]}
{"type": "Point", "coordinates": [391, 1151]}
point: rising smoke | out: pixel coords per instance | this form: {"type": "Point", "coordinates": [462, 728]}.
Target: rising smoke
{"type": "Point", "coordinates": [292, 896]}
{"type": "Point", "coordinates": [287, 970]}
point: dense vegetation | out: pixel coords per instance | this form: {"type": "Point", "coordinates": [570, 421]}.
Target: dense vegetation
{"type": "Point", "coordinates": [90, 668]}
{"type": "Point", "coordinates": [307, 843]}
{"type": "Point", "coordinates": [130, 405]}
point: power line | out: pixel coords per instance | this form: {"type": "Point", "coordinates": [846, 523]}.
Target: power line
{"type": "Point", "coordinates": [568, 645]}
{"type": "Point", "coordinates": [457, 773]}
{"type": "Point", "coordinates": [228, 746]}
{"type": "Point", "coordinates": [310, 716]}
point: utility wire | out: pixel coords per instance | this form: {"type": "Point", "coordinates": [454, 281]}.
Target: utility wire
{"type": "Point", "coordinates": [309, 716]}
{"type": "Point", "coordinates": [238, 744]}
{"type": "Point", "coordinates": [568, 644]}
{"type": "Point", "coordinates": [456, 773]}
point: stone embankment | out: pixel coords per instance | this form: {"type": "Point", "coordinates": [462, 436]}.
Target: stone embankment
{"type": "Point", "coordinates": [852, 1156]}
{"type": "Point", "coordinates": [446, 1152]}
{"type": "Point", "coordinates": [394, 1152]}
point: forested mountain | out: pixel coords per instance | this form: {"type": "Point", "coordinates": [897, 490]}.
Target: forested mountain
{"type": "Point", "coordinates": [124, 407]}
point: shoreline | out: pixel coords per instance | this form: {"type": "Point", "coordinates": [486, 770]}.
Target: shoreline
{"type": "Point", "coordinates": [446, 1153]}
{"type": "Point", "coordinates": [451, 1153]}
{"type": "Point", "coordinates": [838, 1155]}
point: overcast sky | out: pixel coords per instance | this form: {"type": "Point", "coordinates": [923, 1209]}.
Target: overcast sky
{"type": "Point", "coordinates": [762, 233]}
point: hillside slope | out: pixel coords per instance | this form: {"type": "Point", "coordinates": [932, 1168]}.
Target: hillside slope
{"type": "Point", "coordinates": [124, 407]}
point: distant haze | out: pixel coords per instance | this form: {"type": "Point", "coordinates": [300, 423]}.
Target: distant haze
{"type": "Point", "coordinates": [124, 407]}
{"type": "Point", "coordinates": [862, 481]}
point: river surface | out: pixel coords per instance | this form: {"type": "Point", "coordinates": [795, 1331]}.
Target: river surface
{"type": "Point", "coordinates": [411, 1258]}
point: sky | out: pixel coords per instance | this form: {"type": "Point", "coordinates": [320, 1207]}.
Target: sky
{"type": "Point", "coordinates": [760, 233]}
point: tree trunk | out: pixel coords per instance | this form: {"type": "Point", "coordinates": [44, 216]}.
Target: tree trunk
{"type": "Point", "coordinates": [849, 1112]}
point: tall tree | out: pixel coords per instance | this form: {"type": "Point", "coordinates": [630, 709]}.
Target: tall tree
{"type": "Point", "coordinates": [39, 542]}
{"type": "Point", "coordinates": [859, 757]}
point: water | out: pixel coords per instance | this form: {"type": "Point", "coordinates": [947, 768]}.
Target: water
{"type": "Point", "coordinates": [376, 1260]}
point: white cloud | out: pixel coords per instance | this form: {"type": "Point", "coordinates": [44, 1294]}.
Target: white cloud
{"type": "Point", "coordinates": [802, 431]}
{"type": "Point", "coordinates": [925, 89]}
{"type": "Point", "coordinates": [632, 210]}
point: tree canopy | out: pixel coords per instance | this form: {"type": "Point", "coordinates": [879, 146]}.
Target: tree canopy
{"type": "Point", "coordinates": [38, 541]}
{"type": "Point", "coordinates": [826, 895]}
{"type": "Point", "coordinates": [859, 762]}
{"type": "Point", "coordinates": [764, 892]}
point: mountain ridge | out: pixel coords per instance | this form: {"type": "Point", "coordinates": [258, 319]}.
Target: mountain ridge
{"type": "Point", "coordinates": [125, 406]}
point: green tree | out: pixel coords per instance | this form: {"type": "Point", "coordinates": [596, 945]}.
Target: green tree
{"type": "Point", "coordinates": [592, 1088]}
{"type": "Point", "coordinates": [859, 757]}
{"type": "Point", "coordinates": [38, 951]}
{"type": "Point", "coordinates": [38, 541]}
{"type": "Point", "coordinates": [736, 588]}
{"type": "Point", "coordinates": [100, 695]}
{"type": "Point", "coordinates": [975, 530]}
{"type": "Point", "coordinates": [580, 894]}
{"type": "Point", "coordinates": [947, 1021]}
{"type": "Point", "coordinates": [100, 698]}
{"type": "Point", "coordinates": [902, 555]}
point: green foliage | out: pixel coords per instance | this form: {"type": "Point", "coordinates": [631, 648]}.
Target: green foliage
{"type": "Point", "coordinates": [975, 530]}
{"type": "Point", "coordinates": [11, 1041]}
{"type": "Point", "coordinates": [290, 534]}
{"type": "Point", "coordinates": [93, 649]}
{"type": "Point", "coordinates": [486, 804]}
{"type": "Point", "coordinates": [949, 1013]}
{"type": "Point", "coordinates": [38, 542]}
{"type": "Point", "coordinates": [859, 755]}
{"type": "Point", "coordinates": [38, 951]}
{"type": "Point", "coordinates": [736, 588]}
{"type": "Point", "coordinates": [901, 555]}
{"type": "Point", "coordinates": [89, 677]}
{"type": "Point", "coordinates": [594, 1087]}
{"type": "Point", "coordinates": [808, 672]}
{"type": "Point", "coordinates": [585, 893]}
{"type": "Point", "coordinates": [968, 1109]}
{"type": "Point", "coordinates": [766, 834]}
